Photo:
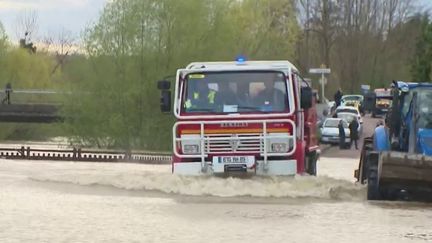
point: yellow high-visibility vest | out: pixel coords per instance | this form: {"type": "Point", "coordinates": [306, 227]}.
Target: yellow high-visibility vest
{"type": "Point", "coordinates": [211, 98]}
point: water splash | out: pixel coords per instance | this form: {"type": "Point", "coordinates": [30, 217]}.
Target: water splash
{"type": "Point", "coordinates": [321, 187]}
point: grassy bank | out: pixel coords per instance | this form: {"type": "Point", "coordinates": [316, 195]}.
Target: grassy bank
{"type": "Point", "coordinates": [30, 131]}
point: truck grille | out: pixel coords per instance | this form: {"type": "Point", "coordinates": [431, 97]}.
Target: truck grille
{"type": "Point", "coordinates": [235, 140]}
{"type": "Point", "coordinates": [233, 143]}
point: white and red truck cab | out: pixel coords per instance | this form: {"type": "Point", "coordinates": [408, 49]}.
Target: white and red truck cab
{"type": "Point", "coordinates": [252, 117]}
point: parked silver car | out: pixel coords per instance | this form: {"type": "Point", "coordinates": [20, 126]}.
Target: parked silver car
{"type": "Point", "coordinates": [330, 131]}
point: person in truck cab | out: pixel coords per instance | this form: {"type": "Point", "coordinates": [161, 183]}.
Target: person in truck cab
{"type": "Point", "coordinates": [243, 94]}
{"type": "Point", "coordinates": [225, 95]}
{"type": "Point", "coordinates": [271, 98]}
{"type": "Point", "coordinates": [200, 96]}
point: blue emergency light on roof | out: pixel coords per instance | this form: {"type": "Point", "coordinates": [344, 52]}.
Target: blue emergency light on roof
{"type": "Point", "coordinates": [240, 59]}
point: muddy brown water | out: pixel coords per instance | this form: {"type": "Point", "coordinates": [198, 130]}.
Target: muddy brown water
{"type": "Point", "coordinates": [85, 202]}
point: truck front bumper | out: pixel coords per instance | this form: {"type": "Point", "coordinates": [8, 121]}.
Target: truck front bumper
{"type": "Point", "coordinates": [272, 168]}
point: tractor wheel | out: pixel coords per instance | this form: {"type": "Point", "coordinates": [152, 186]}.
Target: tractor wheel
{"type": "Point", "coordinates": [373, 190]}
{"type": "Point", "coordinates": [364, 165]}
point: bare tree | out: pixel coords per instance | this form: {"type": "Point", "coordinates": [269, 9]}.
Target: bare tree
{"type": "Point", "coordinates": [355, 38]}
{"type": "Point", "coordinates": [63, 45]}
{"type": "Point", "coordinates": [304, 12]}
{"type": "Point", "coordinates": [48, 42]}
{"type": "Point", "coordinates": [27, 25]}
{"type": "Point", "coordinates": [321, 23]}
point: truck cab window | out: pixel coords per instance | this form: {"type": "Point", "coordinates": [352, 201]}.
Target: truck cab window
{"type": "Point", "coordinates": [235, 92]}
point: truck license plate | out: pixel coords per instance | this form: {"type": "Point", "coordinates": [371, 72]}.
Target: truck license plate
{"type": "Point", "coordinates": [234, 159]}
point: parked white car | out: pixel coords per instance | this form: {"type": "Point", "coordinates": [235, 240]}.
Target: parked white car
{"type": "Point", "coordinates": [330, 131]}
{"type": "Point", "coordinates": [350, 109]}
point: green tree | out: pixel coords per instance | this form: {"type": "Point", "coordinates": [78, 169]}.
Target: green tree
{"type": "Point", "coordinates": [3, 38]}
{"type": "Point", "coordinates": [25, 70]}
{"type": "Point", "coordinates": [22, 69]}
{"type": "Point", "coordinates": [3, 50]}
{"type": "Point", "coordinates": [421, 65]}
{"type": "Point", "coordinates": [136, 42]}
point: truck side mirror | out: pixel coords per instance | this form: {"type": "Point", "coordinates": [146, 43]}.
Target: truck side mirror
{"type": "Point", "coordinates": [306, 97]}
{"type": "Point", "coordinates": [165, 101]}
{"type": "Point", "coordinates": [164, 85]}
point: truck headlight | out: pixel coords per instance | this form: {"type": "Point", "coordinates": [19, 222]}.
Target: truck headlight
{"type": "Point", "coordinates": [279, 147]}
{"type": "Point", "coordinates": [191, 144]}
{"type": "Point", "coordinates": [191, 149]}
{"type": "Point", "coordinates": [279, 143]}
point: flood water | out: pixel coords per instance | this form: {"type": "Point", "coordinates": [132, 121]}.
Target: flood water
{"type": "Point", "coordinates": [86, 202]}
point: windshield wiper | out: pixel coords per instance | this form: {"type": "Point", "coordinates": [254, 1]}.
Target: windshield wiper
{"type": "Point", "coordinates": [253, 108]}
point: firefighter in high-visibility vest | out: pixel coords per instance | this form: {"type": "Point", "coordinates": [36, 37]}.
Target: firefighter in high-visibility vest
{"type": "Point", "coordinates": [201, 97]}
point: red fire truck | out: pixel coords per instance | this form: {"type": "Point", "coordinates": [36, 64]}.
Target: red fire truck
{"type": "Point", "coordinates": [247, 117]}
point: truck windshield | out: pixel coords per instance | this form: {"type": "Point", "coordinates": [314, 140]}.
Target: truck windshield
{"type": "Point", "coordinates": [235, 92]}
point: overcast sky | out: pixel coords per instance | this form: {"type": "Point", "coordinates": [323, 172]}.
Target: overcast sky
{"type": "Point", "coordinates": [72, 15]}
{"type": "Point", "coordinates": [53, 15]}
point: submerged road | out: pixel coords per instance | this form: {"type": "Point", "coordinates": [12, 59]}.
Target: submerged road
{"type": "Point", "coordinates": [71, 202]}
{"type": "Point", "coordinates": [87, 202]}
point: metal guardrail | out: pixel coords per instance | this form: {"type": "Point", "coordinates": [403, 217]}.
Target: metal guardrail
{"type": "Point", "coordinates": [81, 155]}
{"type": "Point", "coordinates": [33, 91]}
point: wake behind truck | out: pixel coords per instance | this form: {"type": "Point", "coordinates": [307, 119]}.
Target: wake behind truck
{"type": "Point", "coordinates": [242, 117]}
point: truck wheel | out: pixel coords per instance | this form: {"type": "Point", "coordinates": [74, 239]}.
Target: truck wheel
{"type": "Point", "coordinates": [373, 191]}
{"type": "Point", "coordinates": [311, 161]}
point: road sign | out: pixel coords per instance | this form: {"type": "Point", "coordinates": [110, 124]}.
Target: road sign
{"type": "Point", "coordinates": [323, 70]}
{"type": "Point", "coordinates": [320, 70]}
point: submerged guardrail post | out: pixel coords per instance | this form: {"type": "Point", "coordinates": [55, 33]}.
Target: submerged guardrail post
{"type": "Point", "coordinates": [22, 151]}
{"type": "Point", "coordinates": [74, 153]}
{"type": "Point", "coordinates": [128, 155]}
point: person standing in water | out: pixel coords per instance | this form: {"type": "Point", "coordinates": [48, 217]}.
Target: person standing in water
{"type": "Point", "coordinates": [341, 135]}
